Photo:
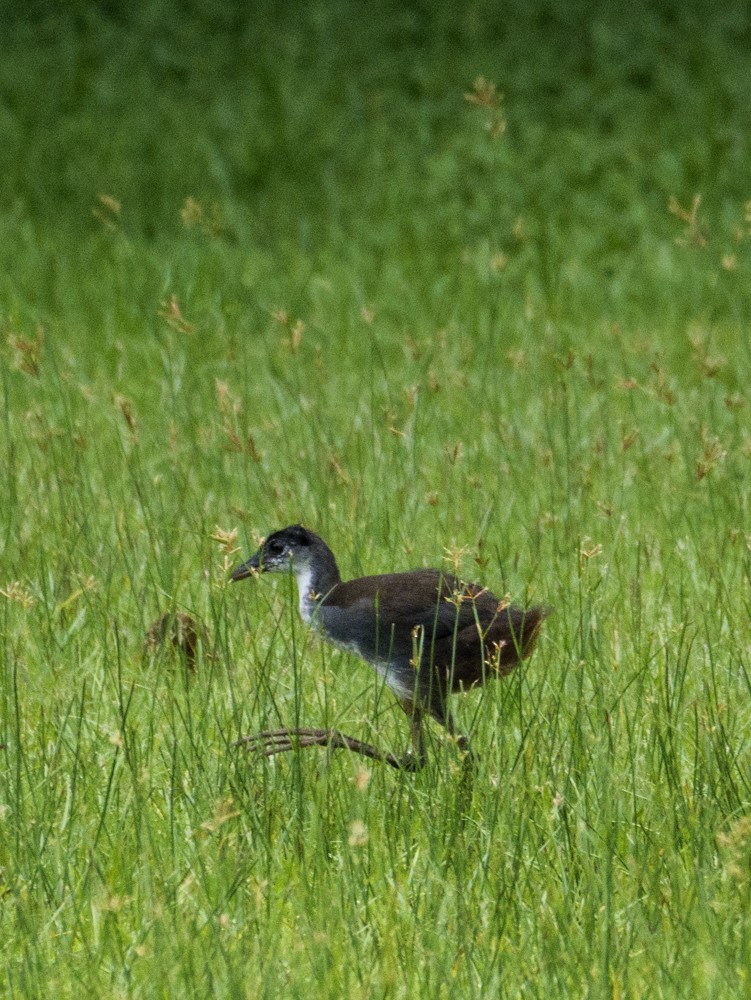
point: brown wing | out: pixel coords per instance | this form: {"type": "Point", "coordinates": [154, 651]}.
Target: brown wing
{"type": "Point", "coordinates": [475, 654]}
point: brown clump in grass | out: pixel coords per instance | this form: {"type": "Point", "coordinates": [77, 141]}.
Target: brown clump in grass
{"type": "Point", "coordinates": [179, 630]}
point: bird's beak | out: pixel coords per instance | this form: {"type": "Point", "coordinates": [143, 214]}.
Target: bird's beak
{"type": "Point", "coordinates": [249, 568]}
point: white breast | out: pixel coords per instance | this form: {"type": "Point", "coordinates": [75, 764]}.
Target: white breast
{"type": "Point", "coordinates": [305, 588]}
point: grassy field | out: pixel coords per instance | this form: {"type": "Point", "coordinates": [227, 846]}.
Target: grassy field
{"type": "Point", "coordinates": [464, 289]}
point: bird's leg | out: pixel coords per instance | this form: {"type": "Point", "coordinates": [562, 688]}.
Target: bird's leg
{"type": "Point", "coordinates": [441, 714]}
{"type": "Point", "coordinates": [460, 739]}
{"type": "Point", "coordinates": [414, 760]}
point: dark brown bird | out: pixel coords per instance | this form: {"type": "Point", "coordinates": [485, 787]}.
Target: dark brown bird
{"type": "Point", "coordinates": [426, 633]}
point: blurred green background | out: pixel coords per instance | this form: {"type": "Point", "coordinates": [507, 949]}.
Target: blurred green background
{"type": "Point", "coordinates": [315, 129]}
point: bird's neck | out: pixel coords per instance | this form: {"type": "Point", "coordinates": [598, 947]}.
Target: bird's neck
{"type": "Point", "coordinates": [316, 579]}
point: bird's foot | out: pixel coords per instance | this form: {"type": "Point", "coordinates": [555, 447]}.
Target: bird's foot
{"type": "Point", "coordinates": [273, 741]}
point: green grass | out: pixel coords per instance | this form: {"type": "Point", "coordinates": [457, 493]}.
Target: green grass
{"type": "Point", "coordinates": [375, 318]}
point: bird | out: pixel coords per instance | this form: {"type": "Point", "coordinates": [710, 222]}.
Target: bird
{"type": "Point", "coordinates": [426, 633]}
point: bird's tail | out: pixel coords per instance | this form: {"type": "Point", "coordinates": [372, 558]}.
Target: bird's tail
{"type": "Point", "coordinates": [523, 630]}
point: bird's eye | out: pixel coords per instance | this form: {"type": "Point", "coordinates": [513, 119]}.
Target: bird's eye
{"type": "Point", "coordinates": [276, 547]}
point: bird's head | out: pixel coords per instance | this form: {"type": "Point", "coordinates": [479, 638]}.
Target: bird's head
{"type": "Point", "coordinates": [287, 550]}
